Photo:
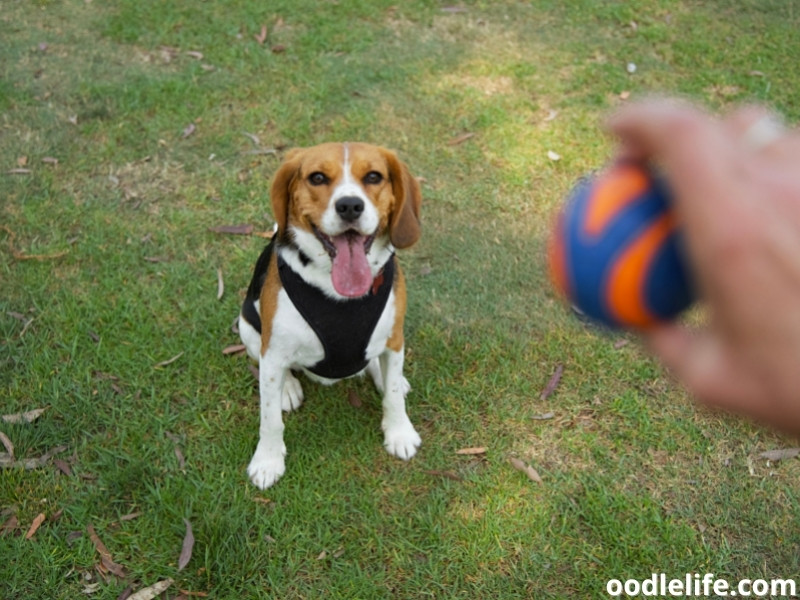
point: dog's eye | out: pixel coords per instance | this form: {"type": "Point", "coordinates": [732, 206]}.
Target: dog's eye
{"type": "Point", "coordinates": [372, 178]}
{"type": "Point", "coordinates": [317, 178]}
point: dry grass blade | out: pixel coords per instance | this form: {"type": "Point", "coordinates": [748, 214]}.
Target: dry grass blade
{"type": "Point", "coordinates": [186, 549]}
{"type": "Point", "coordinates": [152, 591]}
{"type": "Point", "coordinates": [552, 384]}
{"type": "Point", "coordinates": [169, 361]}
{"type": "Point", "coordinates": [24, 417]}
{"type": "Point", "coordinates": [532, 473]}
{"type": "Point", "coordinates": [37, 522]}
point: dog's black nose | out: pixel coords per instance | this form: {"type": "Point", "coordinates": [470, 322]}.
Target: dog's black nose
{"type": "Point", "coordinates": [349, 208]}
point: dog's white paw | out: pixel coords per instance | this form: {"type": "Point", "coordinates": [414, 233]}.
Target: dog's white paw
{"type": "Point", "coordinates": [292, 395]}
{"type": "Point", "coordinates": [266, 468]}
{"type": "Point", "coordinates": [400, 438]}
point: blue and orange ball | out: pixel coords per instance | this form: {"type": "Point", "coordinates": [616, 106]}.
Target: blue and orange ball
{"type": "Point", "coordinates": [616, 252]}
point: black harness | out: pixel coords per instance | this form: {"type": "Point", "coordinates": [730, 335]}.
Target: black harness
{"type": "Point", "coordinates": [344, 327]}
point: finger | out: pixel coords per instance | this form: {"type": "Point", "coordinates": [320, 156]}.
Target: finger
{"type": "Point", "coordinates": [692, 148]}
{"type": "Point", "coordinates": [700, 362]}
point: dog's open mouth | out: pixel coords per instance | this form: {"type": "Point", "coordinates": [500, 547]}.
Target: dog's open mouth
{"type": "Point", "coordinates": [351, 275]}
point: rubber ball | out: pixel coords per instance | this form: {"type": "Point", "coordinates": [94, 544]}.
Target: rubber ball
{"type": "Point", "coordinates": [616, 252]}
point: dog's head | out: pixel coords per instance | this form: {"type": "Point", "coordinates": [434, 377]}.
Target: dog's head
{"type": "Point", "coordinates": [343, 205]}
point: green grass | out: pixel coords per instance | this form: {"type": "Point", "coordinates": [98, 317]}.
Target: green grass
{"type": "Point", "coordinates": [636, 479]}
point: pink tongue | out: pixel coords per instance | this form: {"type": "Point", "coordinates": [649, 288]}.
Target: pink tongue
{"type": "Point", "coordinates": [351, 275]}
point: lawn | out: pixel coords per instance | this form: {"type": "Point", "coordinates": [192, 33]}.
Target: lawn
{"type": "Point", "coordinates": [130, 130]}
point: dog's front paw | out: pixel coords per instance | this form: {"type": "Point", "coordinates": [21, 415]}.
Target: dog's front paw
{"type": "Point", "coordinates": [266, 468]}
{"type": "Point", "coordinates": [400, 438]}
{"type": "Point", "coordinates": [292, 395]}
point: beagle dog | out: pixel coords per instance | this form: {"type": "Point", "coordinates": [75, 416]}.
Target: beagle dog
{"type": "Point", "coordinates": [327, 295]}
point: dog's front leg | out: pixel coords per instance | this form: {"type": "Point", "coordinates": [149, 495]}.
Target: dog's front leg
{"type": "Point", "coordinates": [268, 462]}
{"type": "Point", "coordinates": [400, 437]}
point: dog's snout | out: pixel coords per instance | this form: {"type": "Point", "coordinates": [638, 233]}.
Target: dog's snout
{"type": "Point", "coordinates": [349, 208]}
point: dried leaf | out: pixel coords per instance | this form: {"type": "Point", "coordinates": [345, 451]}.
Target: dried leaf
{"type": "Point", "coordinates": [19, 172]}
{"type": "Point", "coordinates": [49, 160]}
{"type": "Point", "coordinates": [445, 474]}
{"type": "Point", "coordinates": [472, 451]}
{"type": "Point", "coordinates": [105, 555]}
{"type": "Point", "coordinates": [781, 454]}
{"type": "Point", "coordinates": [278, 49]}
{"type": "Point", "coordinates": [543, 416]}
{"type": "Point", "coordinates": [126, 593]}
{"type": "Point", "coordinates": [453, 9]}
{"type": "Point", "coordinates": [195, 54]}
{"type": "Point", "coordinates": [168, 361]}
{"type": "Point", "coordinates": [234, 349]}
{"type": "Point", "coordinates": [10, 526]}
{"type": "Point", "coordinates": [253, 138]}
{"type": "Point", "coordinates": [354, 399]}
{"type": "Point", "coordinates": [7, 461]}
{"type": "Point", "coordinates": [179, 456]}
{"type": "Point", "coordinates": [91, 588]}
{"type": "Point", "coordinates": [72, 536]}
{"type": "Point", "coordinates": [243, 229]}
{"type": "Point", "coordinates": [262, 36]}
{"type": "Point", "coordinates": [156, 259]}
{"type": "Point", "coordinates": [265, 234]}
{"type": "Point", "coordinates": [551, 115]}
{"type": "Point", "coordinates": [322, 555]}
{"type": "Point", "coordinates": [37, 522]}
{"type": "Point", "coordinates": [22, 161]}
{"type": "Point", "coordinates": [188, 130]}
{"type": "Point", "coordinates": [195, 594]}
{"type": "Point", "coordinates": [130, 516]}
{"type": "Point", "coordinates": [220, 285]}
{"type": "Point", "coordinates": [63, 466]}
{"type": "Point", "coordinates": [152, 591]}
{"type": "Point", "coordinates": [624, 95]}
{"type": "Point", "coordinates": [253, 370]}
{"type": "Point", "coordinates": [188, 545]}
{"type": "Point", "coordinates": [554, 156]}
{"type": "Point", "coordinates": [7, 443]}
{"type": "Point", "coordinates": [532, 473]}
{"type": "Point", "coordinates": [93, 336]}
{"type": "Point", "coordinates": [460, 139]}
{"type": "Point", "coordinates": [552, 384]}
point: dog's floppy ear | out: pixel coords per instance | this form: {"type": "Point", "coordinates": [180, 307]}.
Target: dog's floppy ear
{"type": "Point", "coordinates": [404, 223]}
{"type": "Point", "coordinates": [281, 188]}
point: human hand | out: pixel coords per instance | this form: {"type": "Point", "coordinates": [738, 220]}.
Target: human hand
{"type": "Point", "coordinates": [736, 186]}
